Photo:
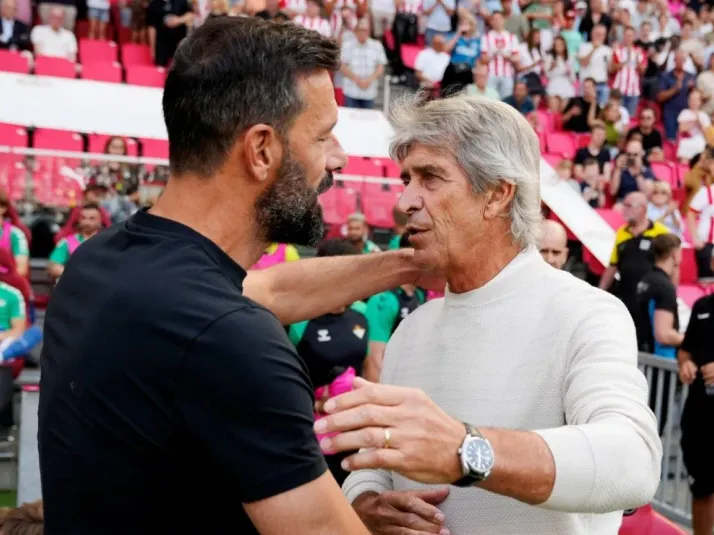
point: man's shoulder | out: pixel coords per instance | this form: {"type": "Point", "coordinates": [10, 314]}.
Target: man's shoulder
{"type": "Point", "coordinates": [8, 290]}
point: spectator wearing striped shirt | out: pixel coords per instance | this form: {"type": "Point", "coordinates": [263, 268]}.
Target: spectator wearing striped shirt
{"type": "Point", "coordinates": [628, 63]}
{"type": "Point", "coordinates": [363, 61]}
{"type": "Point", "coordinates": [312, 19]}
{"type": "Point", "coordinates": [438, 15]}
{"type": "Point", "coordinates": [501, 49]}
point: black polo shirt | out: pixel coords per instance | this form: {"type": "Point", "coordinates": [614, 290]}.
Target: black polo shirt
{"type": "Point", "coordinates": [584, 153]}
{"type": "Point", "coordinates": [655, 292]}
{"type": "Point", "coordinates": [698, 342]}
{"type": "Point", "coordinates": [167, 397]}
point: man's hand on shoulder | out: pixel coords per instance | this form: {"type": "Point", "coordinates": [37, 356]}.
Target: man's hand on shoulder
{"type": "Point", "coordinates": [393, 512]}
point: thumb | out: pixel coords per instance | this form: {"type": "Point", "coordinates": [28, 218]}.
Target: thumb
{"type": "Point", "coordinates": [433, 496]}
{"type": "Point", "coordinates": [359, 382]}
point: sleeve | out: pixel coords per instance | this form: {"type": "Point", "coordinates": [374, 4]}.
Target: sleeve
{"type": "Point", "coordinates": [664, 82]}
{"type": "Point", "coordinates": [584, 50]}
{"type": "Point", "coordinates": [695, 329]}
{"type": "Point", "coordinates": [608, 456]}
{"type": "Point", "coordinates": [291, 254]}
{"type": "Point", "coordinates": [15, 303]}
{"type": "Point", "coordinates": [296, 331]}
{"type": "Point", "coordinates": [246, 402]}
{"type": "Point", "coordinates": [420, 61]}
{"type": "Point", "coordinates": [382, 58]}
{"type": "Point", "coordinates": [72, 44]}
{"type": "Point", "coordinates": [665, 298]}
{"type": "Point", "coordinates": [615, 255]}
{"type": "Point", "coordinates": [484, 45]}
{"type": "Point", "coordinates": [361, 307]}
{"type": "Point", "coordinates": [451, 4]}
{"type": "Point", "coordinates": [60, 254]}
{"type": "Point", "coordinates": [18, 243]}
{"type": "Point", "coordinates": [382, 310]}
{"type": "Point", "coordinates": [699, 202]}
{"type": "Point", "coordinates": [346, 55]}
{"type": "Point", "coordinates": [35, 35]}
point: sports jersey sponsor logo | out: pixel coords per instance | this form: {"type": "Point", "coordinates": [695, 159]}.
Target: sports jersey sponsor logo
{"type": "Point", "coordinates": [323, 335]}
{"type": "Point", "coordinates": [359, 331]}
{"type": "Point", "coordinates": [703, 316]}
{"type": "Point", "coordinates": [404, 312]}
{"type": "Point", "coordinates": [645, 245]}
{"type": "Point", "coordinates": [642, 287]}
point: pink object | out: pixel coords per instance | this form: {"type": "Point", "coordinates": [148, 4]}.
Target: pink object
{"type": "Point", "coordinates": [379, 201]}
{"type": "Point", "coordinates": [145, 75]}
{"type": "Point", "coordinates": [561, 143]}
{"type": "Point", "coordinates": [57, 67]}
{"type": "Point", "coordinates": [133, 54]}
{"type": "Point", "coordinates": [72, 243]}
{"type": "Point", "coordinates": [343, 383]}
{"type": "Point", "coordinates": [5, 242]}
{"type": "Point", "coordinates": [102, 71]}
{"type": "Point", "coordinates": [269, 260]}
{"type": "Point", "coordinates": [91, 50]}
{"type": "Point", "coordinates": [432, 294]}
{"type": "Point", "coordinates": [646, 521]}
{"type": "Point", "coordinates": [13, 62]}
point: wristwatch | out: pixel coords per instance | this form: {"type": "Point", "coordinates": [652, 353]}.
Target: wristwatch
{"type": "Point", "coordinates": [477, 458]}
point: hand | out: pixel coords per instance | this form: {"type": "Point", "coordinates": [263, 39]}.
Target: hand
{"type": "Point", "coordinates": [620, 162]}
{"type": "Point", "coordinates": [395, 512]}
{"type": "Point", "coordinates": [708, 373]}
{"type": "Point", "coordinates": [698, 244]}
{"type": "Point", "coordinates": [577, 110]}
{"type": "Point", "coordinates": [363, 83]}
{"type": "Point", "coordinates": [172, 21]}
{"type": "Point", "coordinates": [424, 440]}
{"type": "Point", "coordinates": [671, 208]}
{"type": "Point", "coordinates": [687, 372]}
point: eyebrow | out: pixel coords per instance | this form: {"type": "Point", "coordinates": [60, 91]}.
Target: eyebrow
{"type": "Point", "coordinates": [423, 170]}
{"type": "Point", "coordinates": [331, 128]}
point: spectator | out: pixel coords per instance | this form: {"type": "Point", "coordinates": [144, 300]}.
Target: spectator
{"type": "Point", "coordinates": [696, 369]}
{"type": "Point", "coordinates": [553, 244]}
{"type": "Point", "coordinates": [122, 206]}
{"type": "Point", "coordinates": [481, 87]}
{"type": "Point", "coordinates": [705, 84]}
{"type": "Point", "coordinates": [113, 174]}
{"type": "Point", "coordinates": [630, 173]}
{"type": "Point", "coordinates": [217, 8]}
{"type": "Point", "coordinates": [692, 123]}
{"type": "Point", "coordinates": [624, 122]}
{"type": "Point", "coordinates": [581, 113]}
{"type": "Point", "coordinates": [564, 170]}
{"type": "Point", "coordinates": [137, 20]}
{"type": "Point", "coordinates": [559, 70]}
{"type": "Point", "coordinates": [530, 66]}
{"type": "Point", "coordinates": [595, 149]}
{"type": "Point", "coordinates": [691, 44]}
{"type": "Point", "coordinates": [14, 34]}
{"type": "Point", "coordinates": [702, 230]}
{"type": "Point", "coordinates": [540, 15]}
{"type": "Point", "coordinates": [592, 186]}
{"type": "Point", "coordinates": [438, 15]}
{"type": "Point", "coordinates": [431, 62]}
{"type": "Point", "coordinates": [642, 14]}
{"type": "Point", "coordinates": [632, 256]}
{"type": "Point", "coordinates": [665, 27]}
{"type": "Point", "coordinates": [595, 16]}
{"type": "Point", "coordinates": [657, 318]}
{"type": "Point", "coordinates": [649, 135]}
{"type": "Point", "coordinates": [272, 9]}
{"type": "Point", "coordinates": [68, 9]}
{"type": "Point", "coordinates": [610, 117]}
{"type": "Point", "coordinates": [595, 59]}
{"type": "Point", "coordinates": [628, 64]}
{"type": "Point", "coordinates": [342, 23]}
{"type": "Point", "coordinates": [313, 20]}
{"type": "Point", "coordinates": [501, 49]}
{"type": "Point", "coordinates": [98, 15]}
{"type": "Point", "coordinates": [383, 16]}
{"type": "Point", "coordinates": [573, 38]}
{"type": "Point", "coordinates": [363, 61]}
{"type": "Point", "coordinates": [399, 228]}
{"type": "Point", "coordinates": [465, 49]}
{"type": "Point", "coordinates": [357, 232]}
{"type": "Point", "coordinates": [52, 39]}
{"type": "Point", "coordinates": [520, 99]}
{"type": "Point", "coordinates": [514, 23]}
{"type": "Point", "coordinates": [168, 26]}
{"type": "Point", "coordinates": [13, 238]}
{"type": "Point", "coordinates": [663, 208]}
{"type": "Point", "coordinates": [674, 94]}
{"type": "Point", "coordinates": [90, 223]}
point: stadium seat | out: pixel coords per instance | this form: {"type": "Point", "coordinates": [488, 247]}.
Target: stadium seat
{"type": "Point", "coordinates": [561, 143]}
{"type": "Point", "coordinates": [91, 50]}
{"type": "Point", "coordinates": [81, 30]}
{"type": "Point", "coordinates": [102, 71]}
{"type": "Point", "coordinates": [155, 148]}
{"type": "Point", "coordinates": [670, 151]}
{"type": "Point", "coordinates": [583, 140]}
{"type": "Point", "coordinates": [57, 67]}
{"type": "Point", "coordinates": [13, 62]}
{"type": "Point", "coordinates": [612, 217]}
{"type": "Point", "coordinates": [688, 268]}
{"type": "Point", "coordinates": [145, 75]}
{"type": "Point", "coordinates": [409, 54]}
{"type": "Point", "coordinates": [689, 293]}
{"type": "Point", "coordinates": [363, 167]}
{"type": "Point", "coordinates": [97, 142]}
{"type": "Point", "coordinates": [12, 135]}
{"type": "Point", "coordinates": [666, 172]}
{"type": "Point", "coordinates": [133, 54]}
{"type": "Point", "coordinates": [339, 96]}
{"type": "Point", "coordinates": [552, 159]}
{"type": "Point", "coordinates": [124, 35]}
{"type": "Point", "coordinates": [378, 201]}
{"type": "Point", "coordinates": [545, 121]}
{"type": "Point", "coordinates": [338, 203]}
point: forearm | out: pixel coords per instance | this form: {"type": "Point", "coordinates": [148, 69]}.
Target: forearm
{"type": "Point", "coordinates": [297, 291]}
{"type": "Point", "coordinates": [607, 278]}
{"type": "Point", "coordinates": [362, 481]}
{"type": "Point", "coordinates": [22, 265]}
{"type": "Point", "coordinates": [55, 270]}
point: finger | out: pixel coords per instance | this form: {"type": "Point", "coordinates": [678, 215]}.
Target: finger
{"type": "Point", "coordinates": [365, 392]}
{"type": "Point", "coordinates": [400, 530]}
{"type": "Point", "coordinates": [389, 459]}
{"type": "Point", "coordinates": [408, 502]}
{"type": "Point", "coordinates": [357, 418]}
{"type": "Point", "coordinates": [369, 437]}
{"type": "Point", "coordinates": [410, 522]}
{"type": "Point", "coordinates": [433, 496]}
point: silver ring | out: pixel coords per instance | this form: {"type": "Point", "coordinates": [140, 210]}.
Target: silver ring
{"type": "Point", "coordinates": [387, 438]}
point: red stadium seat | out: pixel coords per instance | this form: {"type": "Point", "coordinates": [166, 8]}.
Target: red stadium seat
{"type": "Point", "coordinates": [14, 62]}
{"type": "Point", "coordinates": [124, 35]}
{"type": "Point", "coordinates": [688, 268]}
{"type": "Point", "coordinates": [338, 203]}
{"type": "Point", "coordinates": [13, 136]}
{"type": "Point", "coordinates": [612, 217]}
{"type": "Point", "coordinates": [666, 172]}
{"type": "Point", "coordinates": [561, 143]}
{"type": "Point", "coordinates": [545, 121]}
{"type": "Point", "coordinates": [583, 140]}
{"type": "Point", "coordinates": [155, 148]}
{"type": "Point", "coordinates": [133, 54]}
{"type": "Point", "coordinates": [378, 202]}
{"type": "Point", "coordinates": [409, 54]}
{"type": "Point", "coordinates": [670, 151]}
{"type": "Point", "coordinates": [552, 159]}
{"type": "Point", "coordinates": [102, 71]}
{"type": "Point", "coordinates": [689, 293]}
{"type": "Point", "coordinates": [392, 169]}
{"type": "Point", "coordinates": [46, 138]}
{"type": "Point", "coordinates": [91, 50]}
{"type": "Point", "coordinates": [363, 167]}
{"type": "Point", "coordinates": [57, 67]}
{"type": "Point", "coordinates": [145, 75]}
{"type": "Point", "coordinates": [97, 143]}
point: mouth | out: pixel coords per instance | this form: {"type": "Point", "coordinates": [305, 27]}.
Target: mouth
{"type": "Point", "coordinates": [325, 183]}
{"type": "Point", "coordinates": [415, 234]}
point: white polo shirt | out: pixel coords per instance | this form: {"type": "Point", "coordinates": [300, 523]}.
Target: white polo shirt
{"type": "Point", "coordinates": [58, 44]}
{"type": "Point", "coordinates": [597, 68]}
{"type": "Point", "coordinates": [432, 64]}
{"type": "Point", "coordinates": [703, 205]}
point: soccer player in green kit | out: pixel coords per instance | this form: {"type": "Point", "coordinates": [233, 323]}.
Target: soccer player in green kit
{"type": "Point", "coordinates": [385, 311]}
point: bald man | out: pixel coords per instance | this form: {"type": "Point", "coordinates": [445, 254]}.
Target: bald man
{"type": "Point", "coordinates": [553, 244]}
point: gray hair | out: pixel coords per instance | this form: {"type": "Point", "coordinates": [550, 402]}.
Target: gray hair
{"type": "Point", "coordinates": [357, 217]}
{"type": "Point", "coordinates": [489, 140]}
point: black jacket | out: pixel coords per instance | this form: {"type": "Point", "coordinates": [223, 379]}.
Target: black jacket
{"type": "Point", "coordinates": [20, 37]}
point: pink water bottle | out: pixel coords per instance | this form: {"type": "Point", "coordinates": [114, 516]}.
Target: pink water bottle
{"type": "Point", "coordinates": [341, 384]}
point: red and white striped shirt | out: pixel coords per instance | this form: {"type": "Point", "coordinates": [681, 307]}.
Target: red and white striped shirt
{"type": "Point", "coordinates": [297, 6]}
{"type": "Point", "coordinates": [414, 7]}
{"type": "Point", "coordinates": [336, 23]}
{"type": "Point", "coordinates": [627, 79]}
{"type": "Point", "coordinates": [320, 25]}
{"type": "Point", "coordinates": [499, 46]}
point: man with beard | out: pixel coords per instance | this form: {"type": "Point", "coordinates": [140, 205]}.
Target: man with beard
{"type": "Point", "coordinates": [553, 244]}
{"type": "Point", "coordinates": [164, 387]}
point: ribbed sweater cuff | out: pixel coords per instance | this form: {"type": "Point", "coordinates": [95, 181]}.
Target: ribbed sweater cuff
{"type": "Point", "coordinates": [365, 481]}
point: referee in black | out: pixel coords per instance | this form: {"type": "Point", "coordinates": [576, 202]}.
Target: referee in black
{"type": "Point", "coordinates": [696, 368]}
{"type": "Point", "coordinates": [169, 402]}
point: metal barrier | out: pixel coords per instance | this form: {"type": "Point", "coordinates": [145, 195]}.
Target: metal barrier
{"type": "Point", "coordinates": [667, 397]}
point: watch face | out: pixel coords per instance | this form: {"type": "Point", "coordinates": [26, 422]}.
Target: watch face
{"type": "Point", "coordinates": [479, 456]}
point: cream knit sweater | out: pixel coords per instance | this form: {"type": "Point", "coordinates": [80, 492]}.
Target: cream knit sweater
{"type": "Point", "coordinates": [538, 349]}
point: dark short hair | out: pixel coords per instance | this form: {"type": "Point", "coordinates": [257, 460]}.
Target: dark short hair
{"type": "Point", "coordinates": [590, 161]}
{"type": "Point", "coordinates": [664, 244]}
{"type": "Point", "coordinates": [336, 247]}
{"type": "Point", "coordinates": [91, 206]}
{"type": "Point", "coordinates": [233, 73]}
